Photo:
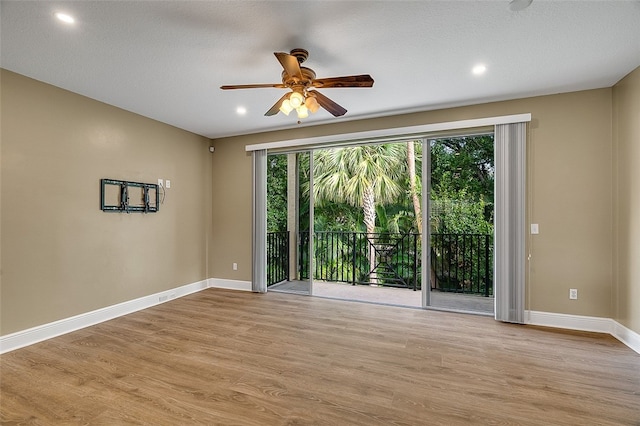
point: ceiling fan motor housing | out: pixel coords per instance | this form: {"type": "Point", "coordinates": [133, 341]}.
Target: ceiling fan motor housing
{"type": "Point", "coordinates": [308, 75]}
{"type": "Point", "coordinates": [300, 54]}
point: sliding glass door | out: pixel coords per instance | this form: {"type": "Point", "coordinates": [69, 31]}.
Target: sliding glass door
{"type": "Point", "coordinates": [456, 248]}
{"type": "Point", "coordinates": [461, 215]}
{"type": "Point", "coordinates": [290, 222]}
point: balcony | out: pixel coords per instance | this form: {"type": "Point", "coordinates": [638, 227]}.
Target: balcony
{"type": "Point", "coordinates": [461, 265]}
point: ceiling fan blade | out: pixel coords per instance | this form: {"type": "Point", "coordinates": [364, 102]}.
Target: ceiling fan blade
{"type": "Point", "coordinates": [326, 103]}
{"type": "Point", "coordinates": [276, 107]}
{"type": "Point", "coordinates": [363, 80]}
{"type": "Point", "coordinates": [252, 86]}
{"type": "Point", "coordinates": [290, 64]}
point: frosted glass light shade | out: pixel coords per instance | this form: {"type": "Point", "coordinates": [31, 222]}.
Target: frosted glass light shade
{"type": "Point", "coordinates": [296, 99]}
{"type": "Point", "coordinates": [286, 107]}
{"type": "Point", "coordinates": [312, 104]}
{"type": "Point", "coordinates": [303, 111]}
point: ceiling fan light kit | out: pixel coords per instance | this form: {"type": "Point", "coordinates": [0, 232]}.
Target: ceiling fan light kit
{"type": "Point", "coordinates": [301, 103]}
{"type": "Point", "coordinates": [301, 80]}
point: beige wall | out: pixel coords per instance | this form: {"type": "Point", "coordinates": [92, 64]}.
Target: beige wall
{"type": "Point", "coordinates": [63, 256]}
{"type": "Point", "coordinates": [626, 140]}
{"type": "Point", "coordinates": [569, 196]}
{"type": "Point", "coordinates": [231, 215]}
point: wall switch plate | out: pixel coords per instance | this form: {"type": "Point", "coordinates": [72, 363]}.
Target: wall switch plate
{"type": "Point", "coordinates": [168, 183]}
{"type": "Point", "coordinates": [534, 228]}
{"type": "Point", "coordinates": [235, 266]}
{"type": "Point", "coordinates": [573, 293]}
{"type": "Point", "coordinates": [159, 182]}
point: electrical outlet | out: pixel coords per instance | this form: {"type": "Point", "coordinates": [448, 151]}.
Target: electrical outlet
{"type": "Point", "coordinates": [573, 293]}
{"type": "Point", "coordinates": [534, 229]}
{"type": "Point", "coordinates": [235, 266]}
{"type": "Point", "coordinates": [159, 182]}
{"type": "Point", "coordinates": [168, 183]}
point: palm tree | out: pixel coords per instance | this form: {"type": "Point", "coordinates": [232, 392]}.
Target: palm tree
{"type": "Point", "coordinates": [413, 183]}
{"type": "Point", "coordinates": [362, 176]}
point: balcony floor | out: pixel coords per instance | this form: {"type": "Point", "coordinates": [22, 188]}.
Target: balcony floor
{"type": "Point", "coordinates": [390, 296]}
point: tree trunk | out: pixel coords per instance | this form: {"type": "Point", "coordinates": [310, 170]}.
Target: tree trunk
{"type": "Point", "coordinates": [411, 162]}
{"type": "Point", "coordinates": [369, 211]}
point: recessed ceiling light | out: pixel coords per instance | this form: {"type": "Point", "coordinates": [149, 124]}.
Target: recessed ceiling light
{"type": "Point", "coordinates": [67, 19]}
{"type": "Point", "coordinates": [479, 69]}
{"type": "Point", "coordinates": [517, 5]}
{"type": "Point", "coordinates": [241, 110]}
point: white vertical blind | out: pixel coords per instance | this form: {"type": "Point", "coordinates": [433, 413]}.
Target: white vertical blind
{"type": "Point", "coordinates": [312, 200]}
{"type": "Point", "coordinates": [509, 264]}
{"type": "Point", "coordinates": [259, 276]}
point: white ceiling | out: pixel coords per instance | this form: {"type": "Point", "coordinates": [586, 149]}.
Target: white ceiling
{"type": "Point", "coordinates": [166, 59]}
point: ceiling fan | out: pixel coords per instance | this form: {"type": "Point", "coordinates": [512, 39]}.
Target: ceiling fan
{"type": "Point", "coordinates": [301, 81]}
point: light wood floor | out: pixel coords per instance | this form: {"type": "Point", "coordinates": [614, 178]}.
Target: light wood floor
{"type": "Point", "coordinates": [237, 358]}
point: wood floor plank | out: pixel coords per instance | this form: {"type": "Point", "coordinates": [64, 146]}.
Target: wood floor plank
{"type": "Point", "coordinates": [221, 357]}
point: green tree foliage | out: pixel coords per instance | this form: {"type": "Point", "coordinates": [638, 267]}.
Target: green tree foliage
{"type": "Point", "coordinates": [369, 189]}
{"type": "Point", "coordinates": [462, 182]}
{"type": "Point", "coordinates": [462, 185]}
{"type": "Point", "coordinates": [338, 217]}
{"type": "Point", "coordinates": [464, 163]}
{"type": "Point", "coordinates": [458, 212]}
{"type": "Point", "coordinates": [363, 176]}
{"type": "Point", "coordinates": [277, 193]}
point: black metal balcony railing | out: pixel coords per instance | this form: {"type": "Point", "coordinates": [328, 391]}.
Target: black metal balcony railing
{"type": "Point", "coordinates": [461, 263]}
{"type": "Point", "coordinates": [345, 257]}
{"type": "Point", "coordinates": [277, 257]}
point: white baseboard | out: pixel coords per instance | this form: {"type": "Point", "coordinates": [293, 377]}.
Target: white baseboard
{"type": "Point", "coordinates": [230, 284]}
{"type": "Point", "coordinates": [585, 323]}
{"type": "Point", "coordinates": [43, 332]}
{"type": "Point", "coordinates": [39, 333]}
{"type": "Point", "coordinates": [626, 336]}
{"type": "Point", "coordinates": [571, 322]}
